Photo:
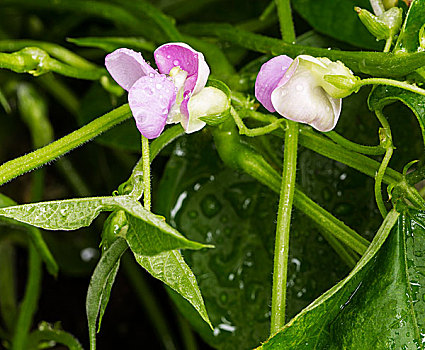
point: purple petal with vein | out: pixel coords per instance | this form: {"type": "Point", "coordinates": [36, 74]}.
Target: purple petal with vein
{"type": "Point", "coordinates": [127, 66]}
{"type": "Point", "coordinates": [269, 77]}
{"type": "Point", "coordinates": [150, 99]}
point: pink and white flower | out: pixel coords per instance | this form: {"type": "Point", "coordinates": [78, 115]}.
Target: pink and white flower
{"type": "Point", "coordinates": [298, 90]}
{"type": "Point", "coordinates": [172, 94]}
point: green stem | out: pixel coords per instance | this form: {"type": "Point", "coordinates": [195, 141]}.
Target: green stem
{"type": "Point", "coordinates": [30, 161]}
{"type": "Point", "coordinates": [390, 82]}
{"type": "Point", "coordinates": [378, 181]}
{"type": "Point", "coordinates": [146, 174]}
{"type": "Point", "coordinates": [281, 252]}
{"type": "Point", "coordinates": [28, 306]}
{"type": "Point", "coordinates": [239, 155]}
{"type": "Point", "coordinates": [323, 146]}
{"type": "Point", "coordinates": [386, 139]}
{"type": "Point", "coordinates": [56, 335]}
{"type": "Point", "coordinates": [372, 63]}
{"type": "Point", "coordinates": [243, 130]}
{"type": "Point", "coordinates": [388, 44]}
{"type": "Point", "coordinates": [284, 14]}
{"type": "Point", "coordinates": [352, 146]}
{"type": "Point", "coordinates": [54, 50]}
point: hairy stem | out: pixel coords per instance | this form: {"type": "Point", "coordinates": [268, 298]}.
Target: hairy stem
{"type": "Point", "coordinates": [281, 252]}
{"type": "Point", "coordinates": [146, 174]}
{"type": "Point", "coordinates": [30, 161]}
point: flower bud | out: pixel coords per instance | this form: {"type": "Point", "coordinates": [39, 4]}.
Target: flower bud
{"type": "Point", "coordinates": [377, 27]}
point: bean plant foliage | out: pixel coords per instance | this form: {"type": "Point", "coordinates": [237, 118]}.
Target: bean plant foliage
{"type": "Point", "coordinates": [284, 210]}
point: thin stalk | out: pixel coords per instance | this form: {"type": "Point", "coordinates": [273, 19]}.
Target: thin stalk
{"type": "Point", "coordinates": [284, 14]}
{"type": "Point", "coordinates": [56, 335]}
{"type": "Point", "coordinates": [243, 130]}
{"type": "Point", "coordinates": [146, 174]}
{"type": "Point", "coordinates": [28, 306]}
{"type": "Point", "coordinates": [8, 304]}
{"type": "Point", "coordinates": [30, 161]}
{"type": "Point", "coordinates": [327, 148]}
{"type": "Point", "coordinates": [390, 82]}
{"type": "Point", "coordinates": [388, 44]}
{"type": "Point", "coordinates": [378, 181]}
{"type": "Point", "coordinates": [280, 270]}
{"type": "Point", "coordinates": [355, 147]}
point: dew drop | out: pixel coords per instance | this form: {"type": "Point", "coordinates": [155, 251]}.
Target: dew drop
{"type": "Point", "coordinates": [168, 56]}
{"type": "Point", "coordinates": [151, 75]}
{"type": "Point", "coordinates": [176, 62]}
{"type": "Point", "coordinates": [210, 206]}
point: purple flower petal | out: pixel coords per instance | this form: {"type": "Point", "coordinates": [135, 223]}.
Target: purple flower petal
{"type": "Point", "coordinates": [127, 66]}
{"type": "Point", "coordinates": [182, 55]}
{"type": "Point", "coordinates": [270, 75]}
{"type": "Point", "coordinates": [150, 99]}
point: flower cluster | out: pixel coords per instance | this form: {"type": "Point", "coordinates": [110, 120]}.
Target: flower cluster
{"type": "Point", "coordinates": [307, 90]}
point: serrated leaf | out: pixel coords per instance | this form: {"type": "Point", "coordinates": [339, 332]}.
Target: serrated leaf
{"type": "Point", "coordinates": [110, 44]}
{"type": "Point", "coordinates": [379, 305]}
{"type": "Point", "coordinates": [170, 268]}
{"type": "Point", "coordinates": [385, 95]}
{"type": "Point", "coordinates": [100, 286]}
{"type": "Point", "coordinates": [152, 235]}
{"type": "Point", "coordinates": [35, 236]}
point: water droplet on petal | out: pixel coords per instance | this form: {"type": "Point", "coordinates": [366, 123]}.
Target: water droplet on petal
{"type": "Point", "coordinates": [151, 75]}
{"type": "Point", "coordinates": [176, 62]}
{"type": "Point", "coordinates": [168, 56]}
{"type": "Point", "coordinates": [158, 86]}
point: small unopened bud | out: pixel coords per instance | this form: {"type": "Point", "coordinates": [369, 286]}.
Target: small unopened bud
{"type": "Point", "coordinates": [378, 28]}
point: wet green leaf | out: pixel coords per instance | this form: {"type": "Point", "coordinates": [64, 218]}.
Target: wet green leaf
{"type": "Point", "coordinates": [148, 233]}
{"type": "Point", "coordinates": [337, 19]}
{"type": "Point", "coordinates": [101, 284]}
{"type": "Point", "coordinates": [170, 268]}
{"type": "Point", "coordinates": [382, 96]}
{"type": "Point", "coordinates": [408, 40]}
{"type": "Point", "coordinates": [34, 234]}
{"type": "Point", "coordinates": [380, 304]}
{"type": "Point", "coordinates": [237, 215]}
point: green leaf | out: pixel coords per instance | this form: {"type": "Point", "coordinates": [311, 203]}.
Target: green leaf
{"type": "Point", "coordinates": [170, 268]}
{"type": "Point", "coordinates": [150, 234]}
{"type": "Point", "coordinates": [408, 39]}
{"type": "Point", "coordinates": [382, 96]}
{"type": "Point", "coordinates": [100, 286]}
{"type": "Point", "coordinates": [337, 19]}
{"type": "Point", "coordinates": [380, 304]}
{"type": "Point", "coordinates": [110, 44]}
{"type": "Point", "coordinates": [34, 234]}
{"type": "Point", "coordinates": [237, 215]}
